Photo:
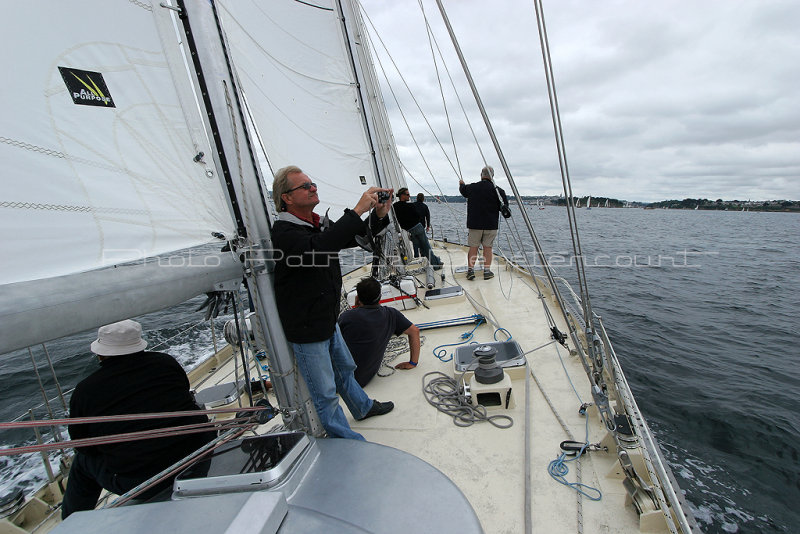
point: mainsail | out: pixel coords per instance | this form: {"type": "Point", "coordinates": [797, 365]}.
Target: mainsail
{"type": "Point", "coordinates": [105, 162]}
{"type": "Point", "coordinates": [100, 165]}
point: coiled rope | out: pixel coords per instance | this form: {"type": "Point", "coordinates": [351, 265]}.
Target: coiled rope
{"type": "Point", "coordinates": [443, 393]}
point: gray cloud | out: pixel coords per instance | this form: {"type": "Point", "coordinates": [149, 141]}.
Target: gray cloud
{"type": "Point", "coordinates": [658, 100]}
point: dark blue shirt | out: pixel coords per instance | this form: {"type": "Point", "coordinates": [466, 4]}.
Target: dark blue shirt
{"type": "Point", "coordinates": [483, 206]}
{"type": "Point", "coordinates": [367, 330]}
{"type": "Point", "coordinates": [424, 213]}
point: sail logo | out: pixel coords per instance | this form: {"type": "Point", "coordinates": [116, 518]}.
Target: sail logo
{"type": "Point", "coordinates": [87, 88]}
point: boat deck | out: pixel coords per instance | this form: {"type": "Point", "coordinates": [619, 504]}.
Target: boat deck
{"type": "Point", "coordinates": [486, 462]}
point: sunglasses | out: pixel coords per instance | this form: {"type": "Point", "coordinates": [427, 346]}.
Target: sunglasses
{"type": "Point", "coordinates": [305, 185]}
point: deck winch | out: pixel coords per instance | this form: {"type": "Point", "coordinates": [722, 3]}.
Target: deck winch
{"type": "Point", "coordinates": [489, 385]}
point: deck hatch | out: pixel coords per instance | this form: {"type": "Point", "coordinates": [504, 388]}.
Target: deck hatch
{"type": "Point", "coordinates": [247, 464]}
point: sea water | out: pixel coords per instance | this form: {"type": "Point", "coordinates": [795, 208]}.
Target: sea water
{"type": "Point", "coordinates": [701, 308]}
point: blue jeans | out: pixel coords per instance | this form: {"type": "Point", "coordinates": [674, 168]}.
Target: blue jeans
{"type": "Point", "coordinates": [327, 367]}
{"type": "Point", "coordinates": [420, 240]}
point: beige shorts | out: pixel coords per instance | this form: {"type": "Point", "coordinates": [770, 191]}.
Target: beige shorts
{"type": "Point", "coordinates": [481, 237]}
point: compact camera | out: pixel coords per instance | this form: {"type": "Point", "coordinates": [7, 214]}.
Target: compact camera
{"type": "Point", "coordinates": [383, 196]}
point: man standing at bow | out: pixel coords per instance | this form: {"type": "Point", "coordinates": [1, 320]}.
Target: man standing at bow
{"type": "Point", "coordinates": [308, 286]}
{"type": "Point", "coordinates": [483, 214]}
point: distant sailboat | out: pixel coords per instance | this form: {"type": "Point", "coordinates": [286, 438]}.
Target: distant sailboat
{"type": "Point", "coordinates": [589, 203]}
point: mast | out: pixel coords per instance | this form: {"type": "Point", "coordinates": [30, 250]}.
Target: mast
{"type": "Point", "coordinates": [217, 88]}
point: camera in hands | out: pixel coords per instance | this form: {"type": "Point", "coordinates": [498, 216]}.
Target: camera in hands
{"type": "Point", "coordinates": [383, 196]}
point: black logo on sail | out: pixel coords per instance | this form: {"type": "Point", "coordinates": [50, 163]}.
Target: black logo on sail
{"type": "Point", "coordinates": [87, 88]}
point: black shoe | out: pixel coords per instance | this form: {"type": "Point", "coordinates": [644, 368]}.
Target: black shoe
{"type": "Point", "coordinates": [470, 274]}
{"type": "Point", "coordinates": [379, 408]}
{"type": "Point", "coordinates": [488, 275]}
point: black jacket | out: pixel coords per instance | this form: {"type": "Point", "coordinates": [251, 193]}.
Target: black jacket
{"type": "Point", "coordinates": [483, 206]}
{"type": "Point", "coordinates": [308, 279]}
{"type": "Point", "coordinates": [145, 382]}
{"type": "Point", "coordinates": [424, 213]}
{"type": "Point", "coordinates": [407, 215]}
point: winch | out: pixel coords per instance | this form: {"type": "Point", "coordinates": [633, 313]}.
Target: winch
{"type": "Point", "coordinates": [489, 385]}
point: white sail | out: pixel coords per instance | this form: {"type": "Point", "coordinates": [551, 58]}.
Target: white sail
{"type": "Point", "coordinates": [294, 65]}
{"type": "Point", "coordinates": [98, 157]}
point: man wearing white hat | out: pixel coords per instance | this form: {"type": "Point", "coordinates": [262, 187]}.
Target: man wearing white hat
{"type": "Point", "coordinates": [129, 381]}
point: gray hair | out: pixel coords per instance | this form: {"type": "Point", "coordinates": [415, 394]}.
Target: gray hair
{"type": "Point", "coordinates": [487, 173]}
{"type": "Point", "coordinates": [281, 184]}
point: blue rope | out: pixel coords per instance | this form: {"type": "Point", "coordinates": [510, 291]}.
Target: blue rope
{"type": "Point", "coordinates": [441, 353]}
{"type": "Point", "coordinates": [558, 470]}
{"type": "Point", "coordinates": [502, 330]}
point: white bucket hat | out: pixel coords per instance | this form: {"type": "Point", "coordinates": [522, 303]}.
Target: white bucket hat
{"type": "Point", "coordinates": [117, 339]}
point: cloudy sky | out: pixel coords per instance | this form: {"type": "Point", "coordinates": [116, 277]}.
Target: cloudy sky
{"type": "Point", "coordinates": [658, 100]}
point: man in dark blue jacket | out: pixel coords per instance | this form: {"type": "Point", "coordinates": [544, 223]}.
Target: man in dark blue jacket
{"type": "Point", "coordinates": [308, 285]}
{"type": "Point", "coordinates": [483, 214]}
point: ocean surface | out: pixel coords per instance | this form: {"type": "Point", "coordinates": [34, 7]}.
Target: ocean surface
{"type": "Point", "coordinates": [702, 308]}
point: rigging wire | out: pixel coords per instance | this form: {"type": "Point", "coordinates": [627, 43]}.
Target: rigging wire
{"type": "Point", "coordinates": [565, 178]}
{"type": "Point", "coordinates": [411, 93]}
{"type": "Point", "coordinates": [441, 89]}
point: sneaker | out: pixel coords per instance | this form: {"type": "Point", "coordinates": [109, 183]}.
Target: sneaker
{"type": "Point", "coordinates": [487, 274]}
{"type": "Point", "coordinates": [379, 408]}
{"type": "Point", "coordinates": [470, 274]}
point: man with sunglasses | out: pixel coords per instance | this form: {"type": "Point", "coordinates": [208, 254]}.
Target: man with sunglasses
{"type": "Point", "coordinates": [308, 286]}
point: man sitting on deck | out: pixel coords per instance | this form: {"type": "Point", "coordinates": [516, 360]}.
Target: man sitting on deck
{"type": "Point", "coordinates": [367, 328]}
{"type": "Point", "coordinates": [129, 381]}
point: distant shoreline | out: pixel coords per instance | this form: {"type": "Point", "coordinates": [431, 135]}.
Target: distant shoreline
{"type": "Point", "coordinates": [770, 206]}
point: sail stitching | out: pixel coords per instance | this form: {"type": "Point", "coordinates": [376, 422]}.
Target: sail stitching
{"type": "Point", "coordinates": [57, 154]}
{"type": "Point", "coordinates": [65, 207]}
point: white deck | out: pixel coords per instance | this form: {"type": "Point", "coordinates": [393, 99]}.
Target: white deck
{"type": "Point", "coordinates": [486, 462]}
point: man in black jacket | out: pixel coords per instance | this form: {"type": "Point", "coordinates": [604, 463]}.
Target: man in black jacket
{"type": "Point", "coordinates": [483, 213]}
{"type": "Point", "coordinates": [129, 381]}
{"type": "Point", "coordinates": [408, 218]}
{"type": "Point", "coordinates": [424, 216]}
{"type": "Point", "coordinates": [308, 285]}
